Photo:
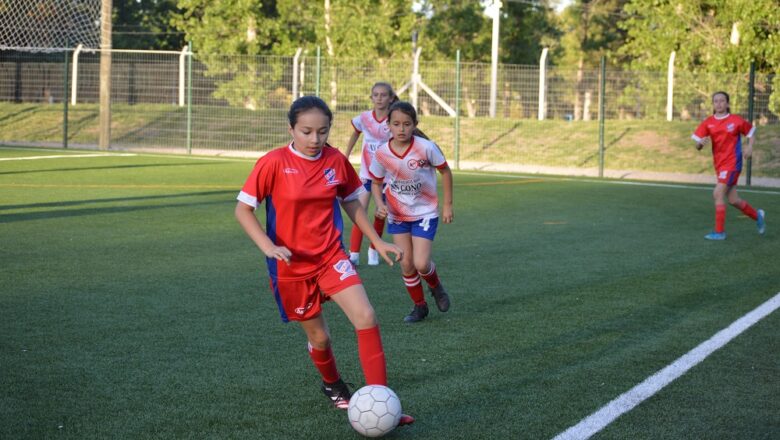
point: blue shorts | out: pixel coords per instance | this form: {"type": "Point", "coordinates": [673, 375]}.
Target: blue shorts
{"type": "Point", "coordinates": [425, 228]}
{"type": "Point", "coordinates": [367, 185]}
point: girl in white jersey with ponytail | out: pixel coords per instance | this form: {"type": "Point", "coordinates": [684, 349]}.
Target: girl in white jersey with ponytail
{"type": "Point", "coordinates": [373, 125]}
{"type": "Point", "coordinates": [407, 164]}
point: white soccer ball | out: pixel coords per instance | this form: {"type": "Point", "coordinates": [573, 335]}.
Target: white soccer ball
{"type": "Point", "coordinates": [374, 410]}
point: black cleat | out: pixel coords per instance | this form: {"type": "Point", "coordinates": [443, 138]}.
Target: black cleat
{"type": "Point", "coordinates": [418, 314]}
{"type": "Point", "coordinates": [338, 393]}
{"type": "Point", "coordinates": [441, 297]}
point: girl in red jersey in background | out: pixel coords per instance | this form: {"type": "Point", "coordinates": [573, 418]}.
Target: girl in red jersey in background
{"type": "Point", "coordinates": [300, 184]}
{"type": "Point", "coordinates": [407, 164]}
{"type": "Point", "coordinates": [373, 125]}
{"type": "Point", "coordinates": [725, 132]}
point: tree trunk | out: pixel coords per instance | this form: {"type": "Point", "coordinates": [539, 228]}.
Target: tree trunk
{"type": "Point", "coordinates": [331, 54]}
{"type": "Point", "coordinates": [578, 91]}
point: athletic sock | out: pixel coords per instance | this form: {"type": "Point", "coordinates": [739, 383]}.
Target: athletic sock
{"type": "Point", "coordinates": [379, 227]}
{"type": "Point", "coordinates": [414, 287]}
{"type": "Point", "coordinates": [748, 210]}
{"type": "Point", "coordinates": [432, 278]}
{"type": "Point", "coordinates": [372, 356]}
{"type": "Point", "coordinates": [325, 363]}
{"type": "Point", "coordinates": [356, 239]}
{"type": "Point", "coordinates": [720, 218]}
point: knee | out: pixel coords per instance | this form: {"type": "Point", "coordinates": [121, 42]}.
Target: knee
{"type": "Point", "coordinates": [366, 318]}
{"type": "Point", "coordinates": [319, 339]}
{"type": "Point", "coordinates": [422, 267]}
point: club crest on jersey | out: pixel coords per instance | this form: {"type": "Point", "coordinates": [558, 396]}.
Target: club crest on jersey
{"type": "Point", "coordinates": [413, 164]}
{"type": "Point", "coordinates": [345, 268]}
{"type": "Point", "coordinates": [330, 177]}
{"type": "Point", "coordinates": [730, 127]}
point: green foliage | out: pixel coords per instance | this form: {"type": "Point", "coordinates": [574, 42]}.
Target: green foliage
{"type": "Point", "coordinates": [145, 24]}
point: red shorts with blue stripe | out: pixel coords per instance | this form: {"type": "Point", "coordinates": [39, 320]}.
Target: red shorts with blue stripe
{"type": "Point", "coordinates": [301, 300]}
{"type": "Point", "coordinates": [728, 177]}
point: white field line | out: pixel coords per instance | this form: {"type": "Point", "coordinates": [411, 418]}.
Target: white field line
{"type": "Point", "coordinates": [616, 182]}
{"type": "Point", "coordinates": [68, 156]}
{"type": "Point", "coordinates": [630, 399]}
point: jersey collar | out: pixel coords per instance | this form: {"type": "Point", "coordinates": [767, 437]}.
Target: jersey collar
{"type": "Point", "coordinates": [303, 156]}
{"type": "Point", "coordinates": [408, 149]}
{"type": "Point", "coordinates": [720, 118]}
{"type": "Point", "coordinates": [373, 113]}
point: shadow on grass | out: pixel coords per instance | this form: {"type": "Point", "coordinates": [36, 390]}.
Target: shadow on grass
{"type": "Point", "coordinates": [65, 213]}
{"type": "Point", "coordinates": [606, 147]}
{"type": "Point", "coordinates": [13, 115]}
{"type": "Point", "coordinates": [111, 200]}
{"type": "Point", "coordinates": [497, 139]}
{"type": "Point", "coordinates": [113, 167]}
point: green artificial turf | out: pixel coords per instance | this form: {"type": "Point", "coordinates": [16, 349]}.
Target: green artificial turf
{"type": "Point", "coordinates": [133, 306]}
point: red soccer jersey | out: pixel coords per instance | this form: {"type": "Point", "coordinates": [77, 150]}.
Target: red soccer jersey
{"type": "Point", "coordinates": [302, 209]}
{"type": "Point", "coordinates": [726, 136]}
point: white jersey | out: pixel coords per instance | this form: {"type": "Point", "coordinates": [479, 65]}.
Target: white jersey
{"type": "Point", "coordinates": [411, 179]}
{"type": "Point", "coordinates": [375, 133]}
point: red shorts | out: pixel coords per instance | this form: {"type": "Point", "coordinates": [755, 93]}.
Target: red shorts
{"type": "Point", "coordinates": [301, 300]}
{"type": "Point", "coordinates": [728, 177]}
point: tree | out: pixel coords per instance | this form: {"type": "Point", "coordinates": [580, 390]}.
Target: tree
{"type": "Point", "coordinates": [145, 24]}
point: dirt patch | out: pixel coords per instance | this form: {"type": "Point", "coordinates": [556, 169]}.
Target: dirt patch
{"type": "Point", "coordinates": [652, 140]}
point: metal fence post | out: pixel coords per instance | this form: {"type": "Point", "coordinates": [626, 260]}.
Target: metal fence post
{"type": "Point", "coordinates": [189, 98]}
{"type": "Point", "coordinates": [65, 99]}
{"type": "Point", "coordinates": [319, 70]}
{"type": "Point", "coordinates": [602, 86]}
{"type": "Point", "coordinates": [751, 98]}
{"type": "Point", "coordinates": [457, 109]}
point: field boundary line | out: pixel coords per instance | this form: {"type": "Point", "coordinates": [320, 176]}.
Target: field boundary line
{"type": "Point", "coordinates": [701, 186]}
{"type": "Point", "coordinates": [117, 186]}
{"type": "Point", "coordinates": [624, 403]}
{"type": "Point", "coordinates": [68, 156]}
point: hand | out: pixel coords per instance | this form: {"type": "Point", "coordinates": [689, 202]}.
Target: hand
{"type": "Point", "coordinates": [446, 214]}
{"type": "Point", "coordinates": [384, 248]}
{"type": "Point", "coordinates": [381, 211]}
{"type": "Point", "coordinates": [747, 153]}
{"type": "Point", "coordinates": [281, 253]}
{"type": "Point", "coordinates": [699, 146]}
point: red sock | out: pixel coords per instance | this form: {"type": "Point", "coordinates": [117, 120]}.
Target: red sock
{"type": "Point", "coordinates": [356, 239]}
{"type": "Point", "coordinates": [747, 209]}
{"type": "Point", "coordinates": [414, 287]}
{"type": "Point", "coordinates": [325, 363]}
{"type": "Point", "coordinates": [372, 356]}
{"type": "Point", "coordinates": [431, 277]}
{"type": "Point", "coordinates": [379, 227]}
{"type": "Point", "coordinates": [720, 218]}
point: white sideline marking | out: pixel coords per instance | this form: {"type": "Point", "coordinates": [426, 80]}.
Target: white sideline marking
{"type": "Point", "coordinates": [59, 156]}
{"type": "Point", "coordinates": [630, 399]}
{"type": "Point", "coordinates": [702, 186]}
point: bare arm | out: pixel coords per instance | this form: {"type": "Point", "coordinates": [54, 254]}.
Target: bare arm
{"type": "Point", "coordinates": [359, 218]}
{"type": "Point", "coordinates": [245, 215]}
{"type": "Point", "coordinates": [446, 208]}
{"type": "Point", "coordinates": [376, 191]}
{"type": "Point", "coordinates": [748, 153]}
{"type": "Point", "coordinates": [352, 141]}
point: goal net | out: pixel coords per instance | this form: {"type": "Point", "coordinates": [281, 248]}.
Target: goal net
{"type": "Point", "coordinates": [49, 25]}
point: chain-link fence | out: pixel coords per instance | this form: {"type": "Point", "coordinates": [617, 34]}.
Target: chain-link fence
{"type": "Point", "coordinates": [545, 119]}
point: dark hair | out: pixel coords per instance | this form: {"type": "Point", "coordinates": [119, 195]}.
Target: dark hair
{"type": "Point", "coordinates": [305, 103]}
{"type": "Point", "coordinates": [725, 95]}
{"type": "Point", "coordinates": [386, 85]}
{"type": "Point", "coordinates": [407, 109]}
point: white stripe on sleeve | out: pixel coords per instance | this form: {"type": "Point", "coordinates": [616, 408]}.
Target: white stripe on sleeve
{"type": "Point", "coordinates": [752, 132]}
{"type": "Point", "coordinates": [696, 138]}
{"type": "Point", "coordinates": [247, 199]}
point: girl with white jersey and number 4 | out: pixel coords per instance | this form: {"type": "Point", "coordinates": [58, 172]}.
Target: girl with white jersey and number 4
{"type": "Point", "coordinates": [372, 124]}
{"type": "Point", "coordinates": [407, 164]}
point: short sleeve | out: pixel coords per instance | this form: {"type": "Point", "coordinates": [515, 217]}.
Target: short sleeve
{"type": "Point", "coordinates": [747, 129]}
{"type": "Point", "coordinates": [352, 186]}
{"type": "Point", "coordinates": [701, 132]}
{"type": "Point", "coordinates": [435, 156]}
{"type": "Point", "coordinates": [357, 124]}
{"type": "Point", "coordinates": [376, 169]}
{"type": "Point", "coordinates": [259, 183]}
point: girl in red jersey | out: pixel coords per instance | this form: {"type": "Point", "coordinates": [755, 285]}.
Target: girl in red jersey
{"type": "Point", "coordinates": [407, 163]}
{"type": "Point", "coordinates": [725, 132]}
{"type": "Point", "coordinates": [301, 183]}
{"type": "Point", "coordinates": [373, 125]}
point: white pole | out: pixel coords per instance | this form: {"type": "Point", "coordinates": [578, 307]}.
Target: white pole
{"type": "Point", "coordinates": [670, 88]}
{"type": "Point", "coordinates": [182, 69]}
{"type": "Point", "coordinates": [75, 75]}
{"type": "Point", "coordinates": [495, 12]}
{"type": "Point", "coordinates": [295, 74]}
{"type": "Point", "coordinates": [416, 76]}
{"type": "Point", "coordinates": [543, 85]}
